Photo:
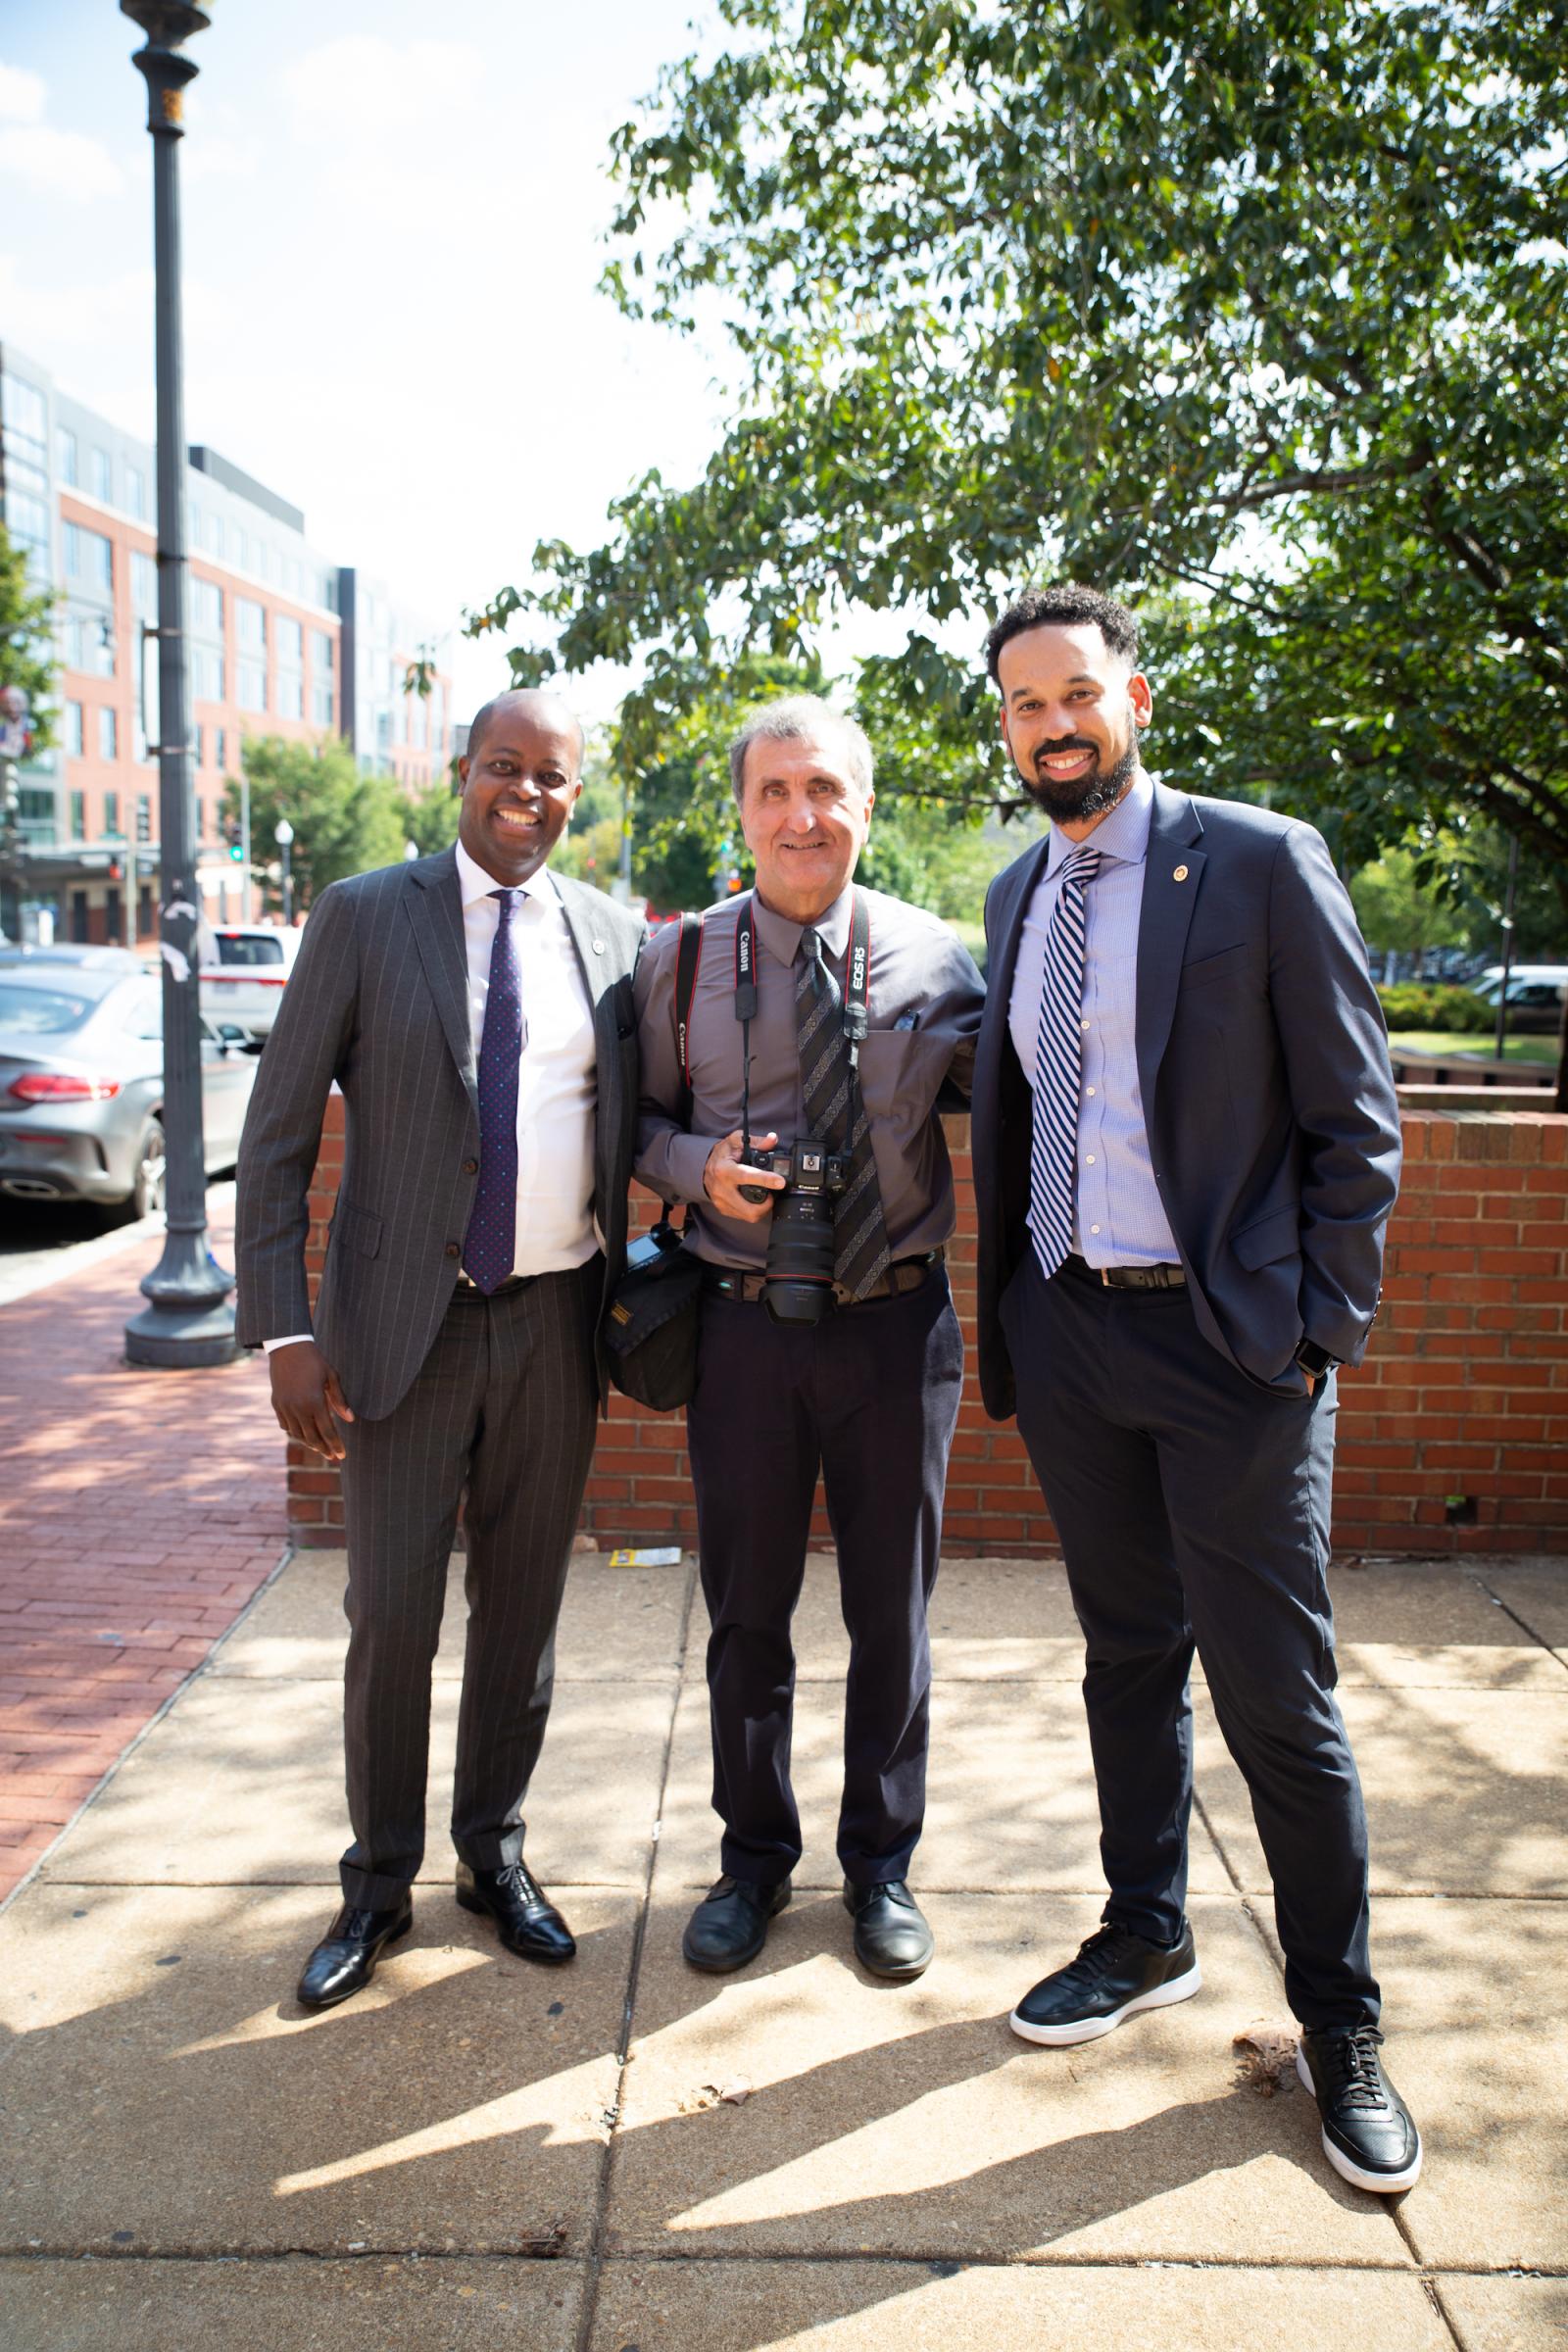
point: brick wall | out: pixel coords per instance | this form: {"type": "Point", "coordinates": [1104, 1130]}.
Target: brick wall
{"type": "Point", "coordinates": [1453, 1434]}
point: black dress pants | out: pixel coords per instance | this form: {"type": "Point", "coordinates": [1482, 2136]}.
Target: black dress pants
{"type": "Point", "coordinates": [871, 1394]}
{"type": "Point", "coordinates": [500, 1413]}
{"type": "Point", "coordinates": [1192, 1509]}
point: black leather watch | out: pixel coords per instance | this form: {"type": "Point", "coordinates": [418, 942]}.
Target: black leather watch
{"type": "Point", "coordinates": [1314, 1359]}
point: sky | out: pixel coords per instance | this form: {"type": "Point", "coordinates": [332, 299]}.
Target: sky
{"type": "Point", "coordinates": [393, 222]}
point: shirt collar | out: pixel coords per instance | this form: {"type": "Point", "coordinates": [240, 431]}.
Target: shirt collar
{"type": "Point", "coordinates": [475, 884]}
{"type": "Point", "coordinates": [1122, 835]}
{"type": "Point", "coordinates": [782, 937]}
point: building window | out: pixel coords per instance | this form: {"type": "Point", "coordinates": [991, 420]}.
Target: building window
{"type": "Point", "coordinates": [143, 585]}
{"type": "Point", "coordinates": [66, 456]}
{"type": "Point", "coordinates": [144, 816]}
{"type": "Point", "coordinates": [112, 815]}
{"type": "Point", "coordinates": [103, 478]}
{"type": "Point", "coordinates": [26, 418]}
{"type": "Point", "coordinates": [219, 750]}
{"type": "Point", "coordinates": [74, 738]}
{"type": "Point", "coordinates": [90, 643]}
{"type": "Point", "coordinates": [78, 812]}
{"type": "Point", "coordinates": [199, 734]}
{"type": "Point", "coordinates": [89, 556]}
{"type": "Point", "coordinates": [250, 624]}
{"type": "Point", "coordinates": [108, 732]}
{"type": "Point", "coordinates": [207, 607]}
{"type": "Point", "coordinates": [288, 640]}
{"type": "Point", "coordinates": [214, 535]}
{"type": "Point", "coordinates": [207, 674]}
{"type": "Point", "coordinates": [136, 491]}
{"type": "Point", "coordinates": [329, 596]}
{"type": "Point", "coordinates": [324, 701]}
{"type": "Point", "coordinates": [290, 695]}
{"type": "Point", "coordinates": [321, 653]}
{"type": "Point", "coordinates": [27, 518]}
{"type": "Point", "coordinates": [250, 690]}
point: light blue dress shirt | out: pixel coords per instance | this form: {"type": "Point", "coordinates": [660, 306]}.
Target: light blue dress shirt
{"type": "Point", "coordinates": [1119, 1219]}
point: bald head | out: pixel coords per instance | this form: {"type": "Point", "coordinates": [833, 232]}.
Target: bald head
{"type": "Point", "coordinates": [533, 704]}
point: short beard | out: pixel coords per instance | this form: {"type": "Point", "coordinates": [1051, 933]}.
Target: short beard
{"type": "Point", "coordinates": [1085, 796]}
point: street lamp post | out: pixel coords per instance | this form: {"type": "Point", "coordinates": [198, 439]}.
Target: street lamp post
{"type": "Point", "coordinates": [283, 835]}
{"type": "Point", "coordinates": [188, 1319]}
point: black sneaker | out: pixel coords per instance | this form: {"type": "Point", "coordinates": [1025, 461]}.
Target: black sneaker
{"type": "Point", "coordinates": [1116, 1973]}
{"type": "Point", "coordinates": [1369, 2135]}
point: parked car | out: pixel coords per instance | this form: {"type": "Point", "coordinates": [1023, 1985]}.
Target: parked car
{"type": "Point", "coordinates": [81, 1085]}
{"type": "Point", "coordinates": [243, 975]}
{"type": "Point", "coordinates": [64, 950]}
{"type": "Point", "coordinates": [1537, 993]}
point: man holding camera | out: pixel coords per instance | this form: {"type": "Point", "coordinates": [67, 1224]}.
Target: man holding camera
{"type": "Point", "coordinates": [796, 1111]}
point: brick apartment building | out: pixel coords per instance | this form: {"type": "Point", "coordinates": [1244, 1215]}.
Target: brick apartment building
{"type": "Point", "coordinates": [281, 641]}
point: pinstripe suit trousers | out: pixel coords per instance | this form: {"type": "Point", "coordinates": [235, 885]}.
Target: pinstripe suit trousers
{"type": "Point", "coordinates": [501, 1418]}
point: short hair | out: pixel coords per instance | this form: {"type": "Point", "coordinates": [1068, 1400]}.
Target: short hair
{"type": "Point", "coordinates": [1067, 605]}
{"type": "Point", "coordinates": [795, 718]}
{"type": "Point", "coordinates": [516, 694]}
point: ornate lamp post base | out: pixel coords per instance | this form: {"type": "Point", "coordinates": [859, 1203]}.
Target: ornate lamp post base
{"type": "Point", "coordinates": [176, 1333]}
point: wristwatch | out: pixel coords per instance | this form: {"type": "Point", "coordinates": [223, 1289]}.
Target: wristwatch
{"type": "Point", "coordinates": [1314, 1359]}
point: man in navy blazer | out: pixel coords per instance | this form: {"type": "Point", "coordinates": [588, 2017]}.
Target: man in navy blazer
{"type": "Point", "coordinates": [1186, 1149]}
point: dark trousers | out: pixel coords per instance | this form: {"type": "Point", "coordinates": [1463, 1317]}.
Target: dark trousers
{"type": "Point", "coordinates": [1193, 1507]}
{"type": "Point", "coordinates": [501, 1414]}
{"type": "Point", "coordinates": [871, 1394]}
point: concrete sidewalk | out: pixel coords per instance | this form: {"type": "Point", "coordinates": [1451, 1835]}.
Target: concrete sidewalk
{"type": "Point", "coordinates": [626, 2157]}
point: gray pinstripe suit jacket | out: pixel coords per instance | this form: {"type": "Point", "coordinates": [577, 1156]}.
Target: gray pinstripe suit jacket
{"type": "Point", "coordinates": [378, 1002]}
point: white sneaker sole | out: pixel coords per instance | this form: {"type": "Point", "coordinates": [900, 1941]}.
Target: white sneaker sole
{"type": "Point", "coordinates": [1091, 2029]}
{"type": "Point", "coordinates": [1381, 2185]}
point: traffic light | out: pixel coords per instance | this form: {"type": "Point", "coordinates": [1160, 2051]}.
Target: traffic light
{"type": "Point", "coordinates": [237, 841]}
{"type": "Point", "coordinates": [144, 818]}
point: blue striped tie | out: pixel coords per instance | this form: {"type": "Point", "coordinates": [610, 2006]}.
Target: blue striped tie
{"type": "Point", "coordinates": [1058, 1069]}
{"type": "Point", "coordinates": [490, 1244]}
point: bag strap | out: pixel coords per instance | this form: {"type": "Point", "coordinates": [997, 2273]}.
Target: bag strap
{"type": "Point", "coordinates": [688, 959]}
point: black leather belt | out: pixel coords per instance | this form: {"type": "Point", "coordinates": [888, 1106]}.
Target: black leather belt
{"type": "Point", "coordinates": [1125, 1278]}
{"type": "Point", "coordinates": [470, 1288]}
{"type": "Point", "coordinates": [904, 1274]}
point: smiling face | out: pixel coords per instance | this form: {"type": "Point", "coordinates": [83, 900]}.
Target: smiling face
{"type": "Point", "coordinates": [804, 820]}
{"type": "Point", "coordinates": [520, 781]}
{"type": "Point", "coordinates": [1071, 710]}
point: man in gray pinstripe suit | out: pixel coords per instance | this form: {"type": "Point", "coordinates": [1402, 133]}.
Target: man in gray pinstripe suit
{"type": "Point", "coordinates": [477, 1015]}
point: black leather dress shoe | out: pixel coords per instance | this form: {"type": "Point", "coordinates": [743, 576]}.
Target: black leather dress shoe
{"type": "Point", "coordinates": [1116, 1973]}
{"type": "Point", "coordinates": [729, 1926]}
{"type": "Point", "coordinates": [345, 1959]}
{"type": "Point", "coordinates": [892, 1936]}
{"type": "Point", "coordinates": [529, 1922]}
{"type": "Point", "coordinates": [1369, 2135]}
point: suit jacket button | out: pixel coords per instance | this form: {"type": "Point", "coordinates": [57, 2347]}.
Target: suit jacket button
{"type": "Point", "coordinates": [599, 947]}
{"type": "Point", "coordinates": [471, 1167]}
{"type": "Point", "coordinates": [453, 1249]}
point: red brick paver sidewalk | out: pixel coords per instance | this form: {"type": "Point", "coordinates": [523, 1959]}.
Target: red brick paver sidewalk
{"type": "Point", "coordinates": [138, 1513]}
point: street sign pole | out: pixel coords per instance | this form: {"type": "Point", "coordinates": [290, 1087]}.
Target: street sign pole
{"type": "Point", "coordinates": [188, 1320]}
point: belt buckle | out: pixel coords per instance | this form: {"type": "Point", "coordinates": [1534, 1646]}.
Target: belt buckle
{"type": "Point", "coordinates": [1106, 1281]}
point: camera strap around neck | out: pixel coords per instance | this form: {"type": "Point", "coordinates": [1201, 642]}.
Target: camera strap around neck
{"type": "Point", "coordinates": [855, 1007]}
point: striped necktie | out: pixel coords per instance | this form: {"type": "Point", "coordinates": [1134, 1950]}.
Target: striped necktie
{"type": "Point", "coordinates": [859, 1236]}
{"type": "Point", "coordinates": [491, 1243]}
{"type": "Point", "coordinates": [1058, 1069]}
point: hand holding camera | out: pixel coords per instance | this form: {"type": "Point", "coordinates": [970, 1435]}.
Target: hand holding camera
{"type": "Point", "coordinates": [738, 1187]}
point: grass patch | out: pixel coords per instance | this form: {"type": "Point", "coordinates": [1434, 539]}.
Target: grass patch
{"type": "Point", "coordinates": [1453, 1045]}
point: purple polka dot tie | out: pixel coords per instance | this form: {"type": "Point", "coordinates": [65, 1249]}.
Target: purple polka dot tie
{"type": "Point", "coordinates": [491, 1243]}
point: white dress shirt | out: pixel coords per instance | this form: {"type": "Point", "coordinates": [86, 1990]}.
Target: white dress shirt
{"type": "Point", "coordinates": [1118, 1218]}
{"type": "Point", "coordinates": [558, 1076]}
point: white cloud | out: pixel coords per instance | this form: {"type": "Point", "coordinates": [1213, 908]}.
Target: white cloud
{"type": "Point", "coordinates": [22, 95]}
{"type": "Point", "coordinates": [365, 88]}
{"type": "Point", "coordinates": [58, 162]}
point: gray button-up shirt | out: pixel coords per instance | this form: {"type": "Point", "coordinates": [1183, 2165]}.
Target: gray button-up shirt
{"type": "Point", "coordinates": [925, 1007]}
{"type": "Point", "coordinates": [1118, 1218]}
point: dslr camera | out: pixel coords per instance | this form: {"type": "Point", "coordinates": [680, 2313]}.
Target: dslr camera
{"type": "Point", "coordinates": [798, 1279]}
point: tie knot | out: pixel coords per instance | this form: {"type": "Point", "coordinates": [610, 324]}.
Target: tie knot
{"type": "Point", "coordinates": [504, 902]}
{"type": "Point", "coordinates": [1082, 866]}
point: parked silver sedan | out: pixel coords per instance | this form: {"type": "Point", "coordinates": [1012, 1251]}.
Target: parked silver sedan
{"type": "Point", "coordinates": [81, 1085]}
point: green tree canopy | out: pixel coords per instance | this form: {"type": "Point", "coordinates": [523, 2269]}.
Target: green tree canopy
{"type": "Point", "coordinates": [1255, 314]}
{"type": "Point", "coordinates": [344, 823]}
{"type": "Point", "coordinates": [26, 655]}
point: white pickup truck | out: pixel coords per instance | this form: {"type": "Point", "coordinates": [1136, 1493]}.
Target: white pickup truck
{"type": "Point", "coordinates": [243, 973]}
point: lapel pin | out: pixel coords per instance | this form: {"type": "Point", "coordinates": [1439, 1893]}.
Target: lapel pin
{"type": "Point", "coordinates": [1180, 876]}
{"type": "Point", "coordinates": [599, 947]}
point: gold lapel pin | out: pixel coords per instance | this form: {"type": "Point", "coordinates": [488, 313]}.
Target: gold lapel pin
{"type": "Point", "coordinates": [1180, 876]}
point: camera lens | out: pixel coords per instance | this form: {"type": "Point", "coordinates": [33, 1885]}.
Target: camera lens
{"type": "Point", "coordinates": [801, 1249]}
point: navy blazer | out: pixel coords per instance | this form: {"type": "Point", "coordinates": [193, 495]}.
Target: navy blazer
{"type": "Point", "coordinates": [1269, 1100]}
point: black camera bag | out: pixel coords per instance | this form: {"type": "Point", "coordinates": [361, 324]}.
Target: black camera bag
{"type": "Point", "coordinates": [651, 1330]}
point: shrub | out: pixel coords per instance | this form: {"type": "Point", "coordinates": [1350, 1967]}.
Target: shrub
{"type": "Point", "coordinates": [1415, 1005]}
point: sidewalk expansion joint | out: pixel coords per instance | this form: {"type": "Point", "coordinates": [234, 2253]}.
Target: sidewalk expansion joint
{"type": "Point", "coordinates": [594, 2255]}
